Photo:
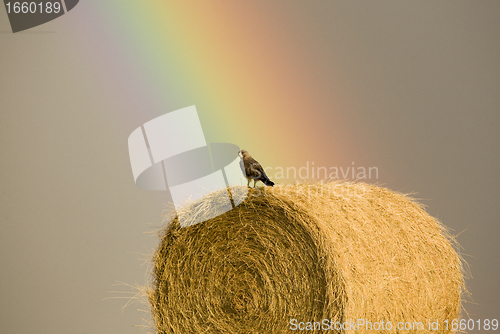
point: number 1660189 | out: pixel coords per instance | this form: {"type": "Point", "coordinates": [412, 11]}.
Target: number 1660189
{"type": "Point", "coordinates": [33, 7]}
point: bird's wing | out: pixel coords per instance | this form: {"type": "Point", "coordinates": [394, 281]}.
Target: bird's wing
{"type": "Point", "coordinates": [253, 169]}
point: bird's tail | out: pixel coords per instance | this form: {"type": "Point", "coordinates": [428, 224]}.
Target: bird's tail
{"type": "Point", "coordinates": [268, 182]}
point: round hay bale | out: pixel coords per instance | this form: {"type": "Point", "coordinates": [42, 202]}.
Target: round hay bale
{"type": "Point", "coordinates": [303, 255]}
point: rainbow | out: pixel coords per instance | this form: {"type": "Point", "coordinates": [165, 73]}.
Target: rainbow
{"type": "Point", "coordinates": [242, 67]}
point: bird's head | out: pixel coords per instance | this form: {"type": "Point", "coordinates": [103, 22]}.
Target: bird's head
{"type": "Point", "coordinates": [242, 153]}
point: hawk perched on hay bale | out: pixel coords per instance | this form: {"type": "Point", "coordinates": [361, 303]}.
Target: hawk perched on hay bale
{"type": "Point", "coordinates": [253, 170]}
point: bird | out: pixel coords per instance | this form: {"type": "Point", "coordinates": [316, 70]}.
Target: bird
{"type": "Point", "coordinates": [253, 170]}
